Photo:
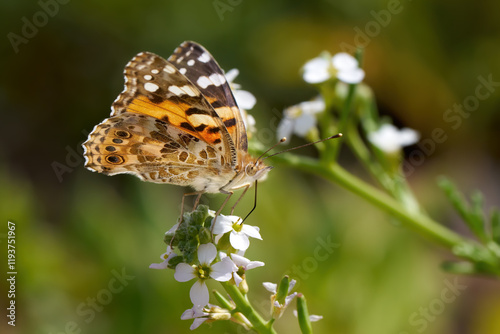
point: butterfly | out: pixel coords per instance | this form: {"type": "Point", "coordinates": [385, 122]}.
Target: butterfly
{"type": "Point", "coordinates": [176, 122]}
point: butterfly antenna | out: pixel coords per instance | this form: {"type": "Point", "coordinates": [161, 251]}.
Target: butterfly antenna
{"type": "Point", "coordinates": [338, 135]}
{"type": "Point", "coordinates": [282, 140]}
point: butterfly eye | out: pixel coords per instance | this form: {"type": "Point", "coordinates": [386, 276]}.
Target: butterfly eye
{"type": "Point", "coordinates": [114, 159]}
{"type": "Point", "coordinates": [122, 134]}
{"type": "Point", "coordinates": [250, 169]}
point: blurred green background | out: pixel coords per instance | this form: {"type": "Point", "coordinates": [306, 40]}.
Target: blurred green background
{"type": "Point", "coordinates": [75, 229]}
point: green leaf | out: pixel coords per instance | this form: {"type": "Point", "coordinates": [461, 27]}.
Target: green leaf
{"type": "Point", "coordinates": [476, 216]}
{"type": "Point", "coordinates": [472, 215]}
{"type": "Point", "coordinates": [455, 197]}
{"type": "Point", "coordinates": [463, 268]}
{"type": "Point", "coordinates": [495, 225]}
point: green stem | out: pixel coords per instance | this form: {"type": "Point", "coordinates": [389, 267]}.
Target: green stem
{"type": "Point", "coordinates": [398, 188]}
{"type": "Point", "coordinates": [243, 306]}
{"type": "Point", "coordinates": [335, 173]}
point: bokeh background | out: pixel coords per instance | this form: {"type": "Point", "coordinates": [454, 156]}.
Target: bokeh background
{"type": "Point", "coordinates": [76, 228]}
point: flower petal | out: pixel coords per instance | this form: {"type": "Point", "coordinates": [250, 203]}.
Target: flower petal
{"type": "Point", "coordinates": [237, 279]}
{"type": "Point", "coordinates": [304, 124]}
{"type": "Point", "coordinates": [352, 76]}
{"type": "Point", "coordinates": [207, 253]}
{"type": "Point", "coordinates": [314, 106]}
{"type": "Point", "coordinates": [251, 231]}
{"type": "Point", "coordinates": [408, 137]}
{"type": "Point", "coordinates": [389, 139]}
{"type": "Point", "coordinates": [343, 61]}
{"type": "Point", "coordinates": [316, 70]}
{"type": "Point", "coordinates": [289, 298]}
{"type": "Point", "coordinates": [285, 129]}
{"type": "Point", "coordinates": [184, 272]}
{"type": "Point", "coordinates": [194, 312]}
{"type": "Point", "coordinates": [244, 99]}
{"type": "Point", "coordinates": [222, 271]}
{"type": "Point", "coordinates": [254, 264]}
{"type": "Point", "coordinates": [239, 260]}
{"type": "Point", "coordinates": [314, 317]}
{"type": "Point", "coordinates": [239, 240]}
{"type": "Point", "coordinates": [173, 229]}
{"type": "Point", "coordinates": [199, 293]}
{"type": "Point", "coordinates": [271, 287]}
{"type": "Point", "coordinates": [223, 224]}
{"type": "Point", "coordinates": [163, 265]}
{"type": "Point", "coordinates": [232, 74]}
{"type": "Point", "coordinates": [197, 322]}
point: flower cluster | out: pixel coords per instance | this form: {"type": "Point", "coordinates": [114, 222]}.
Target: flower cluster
{"type": "Point", "coordinates": [193, 255]}
{"type": "Point", "coordinates": [342, 69]}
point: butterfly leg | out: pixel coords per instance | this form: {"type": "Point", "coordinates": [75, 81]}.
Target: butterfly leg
{"type": "Point", "coordinates": [196, 202]}
{"type": "Point", "coordinates": [239, 199]}
{"type": "Point", "coordinates": [229, 194]}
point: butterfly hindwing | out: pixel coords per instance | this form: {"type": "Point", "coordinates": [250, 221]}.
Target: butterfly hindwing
{"type": "Point", "coordinates": [200, 67]}
{"type": "Point", "coordinates": [150, 149]}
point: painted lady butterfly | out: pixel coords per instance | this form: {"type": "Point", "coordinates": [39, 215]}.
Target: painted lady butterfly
{"type": "Point", "coordinates": [176, 122]}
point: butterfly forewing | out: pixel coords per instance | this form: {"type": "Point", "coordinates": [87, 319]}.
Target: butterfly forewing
{"type": "Point", "coordinates": [200, 67]}
{"type": "Point", "coordinates": [156, 88]}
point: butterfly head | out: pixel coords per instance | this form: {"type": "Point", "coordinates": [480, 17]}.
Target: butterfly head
{"type": "Point", "coordinates": [256, 170]}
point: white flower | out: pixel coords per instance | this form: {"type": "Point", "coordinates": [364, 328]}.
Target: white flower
{"type": "Point", "coordinates": [312, 317]}
{"type": "Point", "coordinates": [239, 231]}
{"type": "Point", "coordinates": [343, 66]}
{"type": "Point", "coordinates": [278, 308]}
{"type": "Point", "coordinates": [389, 139]}
{"type": "Point", "coordinates": [201, 314]}
{"type": "Point", "coordinates": [198, 314]}
{"type": "Point", "coordinates": [220, 271]}
{"type": "Point", "coordinates": [243, 265]}
{"type": "Point", "coordinates": [166, 257]}
{"type": "Point", "coordinates": [300, 118]}
{"type": "Point", "coordinates": [244, 99]}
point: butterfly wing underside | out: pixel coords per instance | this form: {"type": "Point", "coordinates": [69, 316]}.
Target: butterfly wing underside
{"type": "Point", "coordinates": [162, 129]}
{"type": "Point", "coordinates": [200, 67]}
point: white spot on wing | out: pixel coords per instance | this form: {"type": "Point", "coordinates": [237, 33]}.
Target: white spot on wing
{"type": "Point", "coordinates": [176, 90]}
{"type": "Point", "coordinates": [189, 90]}
{"type": "Point", "coordinates": [148, 77]}
{"type": "Point", "coordinates": [168, 69]}
{"type": "Point", "coordinates": [217, 79]}
{"type": "Point", "coordinates": [203, 82]}
{"type": "Point", "coordinates": [151, 87]}
{"type": "Point", "coordinates": [183, 70]}
{"type": "Point", "coordinates": [191, 62]}
{"type": "Point", "coordinates": [155, 71]}
{"type": "Point", "coordinates": [204, 58]}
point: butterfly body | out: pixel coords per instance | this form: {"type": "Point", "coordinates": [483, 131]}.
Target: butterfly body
{"type": "Point", "coordinates": [176, 122]}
